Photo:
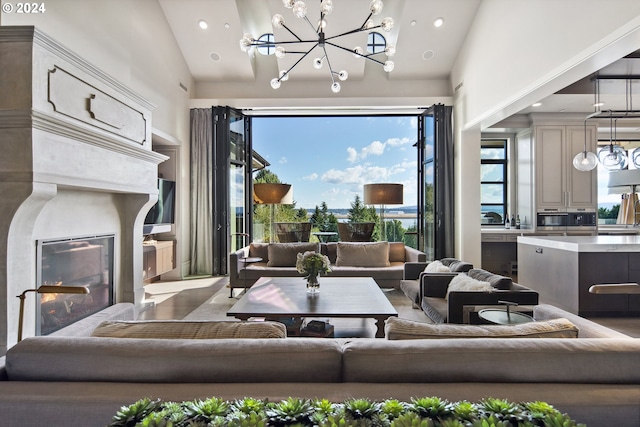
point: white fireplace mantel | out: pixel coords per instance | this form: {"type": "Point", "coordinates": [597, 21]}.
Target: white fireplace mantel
{"type": "Point", "coordinates": [76, 160]}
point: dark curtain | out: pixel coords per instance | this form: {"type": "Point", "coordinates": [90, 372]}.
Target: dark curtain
{"type": "Point", "coordinates": [447, 184]}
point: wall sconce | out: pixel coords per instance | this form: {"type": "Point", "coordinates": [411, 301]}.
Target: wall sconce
{"type": "Point", "coordinates": [45, 289]}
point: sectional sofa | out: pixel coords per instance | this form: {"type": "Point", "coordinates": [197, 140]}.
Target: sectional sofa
{"type": "Point", "coordinates": [384, 261]}
{"type": "Point", "coordinates": [83, 380]}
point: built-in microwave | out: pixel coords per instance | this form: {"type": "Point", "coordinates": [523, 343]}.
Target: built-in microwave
{"type": "Point", "coordinates": [552, 221]}
{"type": "Point", "coordinates": [573, 221]}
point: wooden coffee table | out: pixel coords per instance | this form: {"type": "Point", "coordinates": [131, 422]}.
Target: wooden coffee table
{"type": "Point", "coordinates": [273, 297]}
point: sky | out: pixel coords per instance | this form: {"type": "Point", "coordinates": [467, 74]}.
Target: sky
{"type": "Point", "coordinates": [330, 158]}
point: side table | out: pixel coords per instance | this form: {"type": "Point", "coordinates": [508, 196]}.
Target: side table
{"type": "Point", "coordinates": [499, 316]}
{"type": "Point", "coordinates": [246, 260]}
{"type": "Point", "coordinates": [324, 236]}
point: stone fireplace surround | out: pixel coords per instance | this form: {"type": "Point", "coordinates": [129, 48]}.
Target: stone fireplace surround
{"type": "Point", "coordinates": [76, 160]}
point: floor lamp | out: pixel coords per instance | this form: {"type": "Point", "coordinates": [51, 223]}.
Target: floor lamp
{"type": "Point", "coordinates": [45, 289]}
{"type": "Point", "coordinates": [272, 194]}
{"type": "Point", "coordinates": [383, 194]}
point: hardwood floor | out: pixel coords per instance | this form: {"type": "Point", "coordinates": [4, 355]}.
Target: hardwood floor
{"type": "Point", "coordinates": [175, 299]}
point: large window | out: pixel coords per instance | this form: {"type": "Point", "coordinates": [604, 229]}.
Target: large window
{"type": "Point", "coordinates": [493, 181]}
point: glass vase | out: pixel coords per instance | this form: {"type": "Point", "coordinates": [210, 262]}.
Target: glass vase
{"type": "Point", "coordinates": [313, 287]}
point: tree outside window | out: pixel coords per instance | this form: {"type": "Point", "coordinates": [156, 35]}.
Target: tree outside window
{"type": "Point", "coordinates": [493, 182]}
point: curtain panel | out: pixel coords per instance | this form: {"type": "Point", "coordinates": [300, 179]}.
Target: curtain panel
{"type": "Point", "coordinates": [201, 145]}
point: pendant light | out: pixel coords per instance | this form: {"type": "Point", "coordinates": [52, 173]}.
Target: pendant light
{"type": "Point", "coordinates": [613, 157]}
{"type": "Point", "coordinates": [586, 160]}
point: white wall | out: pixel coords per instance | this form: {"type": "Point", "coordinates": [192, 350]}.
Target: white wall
{"type": "Point", "coordinates": [516, 53]}
{"type": "Point", "coordinates": [131, 41]}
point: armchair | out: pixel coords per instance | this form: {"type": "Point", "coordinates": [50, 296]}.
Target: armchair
{"type": "Point", "coordinates": [442, 309]}
{"type": "Point", "coordinates": [414, 271]}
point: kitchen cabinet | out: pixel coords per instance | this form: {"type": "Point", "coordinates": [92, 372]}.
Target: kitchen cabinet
{"type": "Point", "coordinates": [558, 184]}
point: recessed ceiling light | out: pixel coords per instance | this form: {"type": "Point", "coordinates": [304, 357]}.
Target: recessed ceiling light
{"type": "Point", "coordinates": [227, 25]}
{"type": "Point", "coordinates": [413, 23]}
{"type": "Point", "coordinates": [537, 104]}
{"type": "Point", "coordinates": [215, 56]}
{"type": "Point", "coordinates": [203, 24]}
{"type": "Point", "coordinates": [438, 22]}
{"type": "Point", "coordinates": [427, 55]}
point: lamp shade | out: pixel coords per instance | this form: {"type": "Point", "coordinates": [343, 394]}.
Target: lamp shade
{"type": "Point", "coordinates": [273, 193]}
{"type": "Point", "coordinates": [383, 194]}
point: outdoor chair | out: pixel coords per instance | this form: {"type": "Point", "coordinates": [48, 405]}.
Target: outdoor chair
{"type": "Point", "coordinates": [356, 231]}
{"type": "Point", "coordinates": [288, 232]}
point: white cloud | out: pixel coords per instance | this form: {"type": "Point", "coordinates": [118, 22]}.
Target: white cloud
{"type": "Point", "coordinates": [356, 175]}
{"type": "Point", "coordinates": [352, 154]}
{"type": "Point", "coordinates": [397, 142]}
{"type": "Point", "coordinates": [364, 174]}
{"type": "Point", "coordinates": [283, 160]}
{"type": "Point", "coordinates": [311, 177]}
{"type": "Point", "coordinates": [376, 148]}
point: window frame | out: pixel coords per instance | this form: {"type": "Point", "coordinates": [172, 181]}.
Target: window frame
{"type": "Point", "coordinates": [501, 144]}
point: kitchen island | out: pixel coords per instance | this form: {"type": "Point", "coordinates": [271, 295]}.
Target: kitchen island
{"type": "Point", "coordinates": [562, 268]}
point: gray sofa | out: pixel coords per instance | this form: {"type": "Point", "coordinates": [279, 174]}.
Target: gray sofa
{"type": "Point", "coordinates": [243, 274]}
{"type": "Point", "coordinates": [429, 291]}
{"type": "Point", "coordinates": [83, 380]}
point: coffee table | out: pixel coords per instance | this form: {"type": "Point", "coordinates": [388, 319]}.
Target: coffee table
{"type": "Point", "coordinates": [350, 297]}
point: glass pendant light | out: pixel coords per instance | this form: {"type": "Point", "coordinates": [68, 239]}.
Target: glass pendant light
{"type": "Point", "coordinates": [636, 158]}
{"type": "Point", "coordinates": [613, 157]}
{"type": "Point", "coordinates": [585, 160]}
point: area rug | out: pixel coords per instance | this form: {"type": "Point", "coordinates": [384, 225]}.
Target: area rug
{"type": "Point", "coordinates": [216, 307]}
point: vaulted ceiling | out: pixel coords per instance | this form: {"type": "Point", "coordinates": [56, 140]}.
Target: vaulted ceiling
{"type": "Point", "coordinates": [424, 52]}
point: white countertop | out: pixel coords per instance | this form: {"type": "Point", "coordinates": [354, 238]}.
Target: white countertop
{"type": "Point", "coordinates": [488, 230]}
{"type": "Point", "coordinates": [585, 243]}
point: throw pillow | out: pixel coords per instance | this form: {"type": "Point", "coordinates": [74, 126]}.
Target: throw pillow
{"type": "Point", "coordinates": [180, 329]}
{"type": "Point", "coordinates": [462, 282]}
{"type": "Point", "coordinates": [402, 329]}
{"type": "Point", "coordinates": [396, 252]}
{"type": "Point", "coordinates": [436, 267]}
{"type": "Point", "coordinates": [368, 254]}
{"type": "Point", "coordinates": [497, 281]}
{"type": "Point", "coordinates": [285, 254]}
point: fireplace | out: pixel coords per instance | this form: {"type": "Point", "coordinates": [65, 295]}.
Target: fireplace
{"type": "Point", "coordinates": [83, 261]}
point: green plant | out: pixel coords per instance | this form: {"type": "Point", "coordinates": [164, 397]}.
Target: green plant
{"type": "Point", "coordinates": [289, 412]}
{"type": "Point", "coordinates": [206, 410]}
{"type": "Point", "coordinates": [294, 412]}
{"type": "Point", "coordinates": [129, 416]}
{"type": "Point", "coordinates": [432, 407]}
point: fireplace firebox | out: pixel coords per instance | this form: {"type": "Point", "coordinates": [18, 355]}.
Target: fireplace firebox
{"type": "Point", "coordinates": [81, 261]}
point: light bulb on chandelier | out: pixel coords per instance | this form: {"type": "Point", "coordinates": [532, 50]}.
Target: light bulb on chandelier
{"type": "Point", "coordinates": [299, 9]}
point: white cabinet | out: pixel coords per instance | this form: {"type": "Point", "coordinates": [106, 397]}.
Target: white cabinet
{"type": "Point", "coordinates": [558, 184]}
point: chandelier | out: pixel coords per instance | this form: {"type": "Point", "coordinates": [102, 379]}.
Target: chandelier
{"type": "Point", "coordinates": [299, 9]}
{"type": "Point", "coordinates": [612, 157]}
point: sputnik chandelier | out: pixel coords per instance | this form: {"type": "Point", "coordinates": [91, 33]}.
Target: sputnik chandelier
{"type": "Point", "coordinates": [299, 9]}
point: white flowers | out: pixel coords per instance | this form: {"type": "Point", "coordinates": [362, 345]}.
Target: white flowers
{"type": "Point", "coordinates": [311, 264]}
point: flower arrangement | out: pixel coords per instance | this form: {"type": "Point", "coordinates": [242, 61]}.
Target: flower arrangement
{"type": "Point", "coordinates": [425, 411]}
{"type": "Point", "coordinates": [311, 264]}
